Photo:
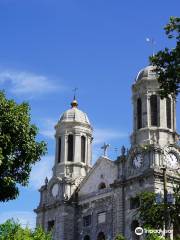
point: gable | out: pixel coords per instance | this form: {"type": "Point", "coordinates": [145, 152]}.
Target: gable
{"type": "Point", "coordinates": [104, 171]}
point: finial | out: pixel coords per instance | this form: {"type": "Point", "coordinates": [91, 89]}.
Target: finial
{"type": "Point", "coordinates": [152, 42]}
{"type": "Point", "coordinates": [105, 147]}
{"type": "Point", "coordinates": [74, 103]}
{"type": "Point", "coordinates": [123, 150]}
{"type": "Point", "coordinates": [46, 181]}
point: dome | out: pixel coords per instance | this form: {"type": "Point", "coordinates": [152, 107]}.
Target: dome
{"type": "Point", "coordinates": [74, 114]}
{"type": "Point", "coordinates": [147, 73]}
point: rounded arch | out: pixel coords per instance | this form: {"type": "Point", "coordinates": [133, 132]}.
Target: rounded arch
{"type": "Point", "coordinates": [102, 185]}
{"type": "Point", "coordinates": [154, 110]}
{"type": "Point", "coordinates": [87, 237]}
{"type": "Point", "coordinates": [59, 149]}
{"type": "Point", "coordinates": [139, 113]}
{"type": "Point", "coordinates": [168, 112]}
{"type": "Point", "coordinates": [70, 147]}
{"type": "Point", "coordinates": [101, 236]}
{"type": "Point", "coordinates": [83, 148]}
{"type": "Point", "coordinates": [134, 225]}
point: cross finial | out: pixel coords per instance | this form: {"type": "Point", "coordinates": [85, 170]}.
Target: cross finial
{"type": "Point", "coordinates": [152, 42]}
{"type": "Point", "coordinates": [46, 181]}
{"type": "Point", "coordinates": [75, 90]}
{"type": "Point", "coordinates": [105, 147]}
{"type": "Point", "coordinates": [74, 103]}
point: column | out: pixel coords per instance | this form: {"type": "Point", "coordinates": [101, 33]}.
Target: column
{"type": "Point", "coordinates": [148, 110]}
{"type": "Point", "coordinates": [174, 113]}
{"type": "Point", "coordinates": [163, 114]}
{"type": "Point", "coordinates": [64, 148]}
{"type": "Point", "coordinates": [77, 148]}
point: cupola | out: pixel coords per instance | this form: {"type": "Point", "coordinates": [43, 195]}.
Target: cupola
{"type": "Point", "coordinates": [73, 143]}
{"type": "Point", "coordinates": [154, 118]}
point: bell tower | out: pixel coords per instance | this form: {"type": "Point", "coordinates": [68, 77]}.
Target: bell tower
{"type": "Point", "coordinates": [154, 119]}
{"type": "Point", "coordinates": [154, 150]}
{"type": "Point", "coordinates": [73, 144]}
{"type": "Point", "coordinates": [73, 156]}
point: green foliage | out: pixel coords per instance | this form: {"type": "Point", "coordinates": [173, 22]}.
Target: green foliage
{"type": "Point", "coordinates": [167, 62]}
{"type": "Point", "coordinates": [11, 230]}
{"type": "Point", "coordinates": [1, 156]}
{"type": "Point", "coordinates": [175, 210]}
{"type": "Point", "coordinates": [154, 236]}
{"type": "Point", "coordinates": [150, 213]}
{"type": "Point", "coordinates": [119, 237]}
{"type": "Point", "coordinates": [18, 147]}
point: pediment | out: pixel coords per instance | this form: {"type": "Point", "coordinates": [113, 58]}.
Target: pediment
{"type": "Point", "coordinates": [103, 172]}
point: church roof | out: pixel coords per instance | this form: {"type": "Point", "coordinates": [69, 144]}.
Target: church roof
{"type": "Point", "coordinates": [99, 161]}
{"type": "Point", "coordinates": [146, 73]}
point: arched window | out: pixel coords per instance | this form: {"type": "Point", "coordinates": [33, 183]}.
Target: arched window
{"type": "Point", "coordinates": [139, 113]}
{"type": "Point", "coordinates": [59, 150]}
{"type": "Point", "coordinates": [168, 112]}
{"type": "Point", "coordinates": [83, 149]}
{"type": "Point", "coordinates": [102, 185]}
{"type": "Point", "coordinates": [134, 225]}
{"type": "Point", "coordinates": [154, 110]}
{"type": "Point", "coordinates": [87, 220]}
{"type": "Point", "coordinates": [50, 225]}
{"type": "Point", "coordinates": [134, 202]}
{"type": "Point", "coordinates": [101, 236]}
{"type": "Point", "coordinates": [86, 237]}
{"type": "Point", "coordinates": [70, 148]}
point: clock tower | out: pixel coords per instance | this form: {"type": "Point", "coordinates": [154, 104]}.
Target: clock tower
{"type": "Point", "coordinates": [154, 119]}
{"type": "Point", "coordinates": [154, 123]}
{"type": "Point", "coordinates": [73, 156]}
{"type": "Point", "coordinates": [153, 144]}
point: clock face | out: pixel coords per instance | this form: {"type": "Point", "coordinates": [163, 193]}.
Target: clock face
{"type": "Point", "coordinates": [55, 190]}
{"type": "Point", "coordinates": [171, 160]}
{"type": "Point", "coordinates": [137, 161]}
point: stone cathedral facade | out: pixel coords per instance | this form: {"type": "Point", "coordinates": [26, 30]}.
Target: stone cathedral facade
{"type": "Point", "coordinates": [85, 202]}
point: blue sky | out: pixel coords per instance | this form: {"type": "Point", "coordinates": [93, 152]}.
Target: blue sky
{"type": "Point", "coordinates": [48, 47]}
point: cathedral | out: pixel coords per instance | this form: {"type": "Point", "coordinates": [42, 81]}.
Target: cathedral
{"type": "Point", "coordinates": [85, 202]}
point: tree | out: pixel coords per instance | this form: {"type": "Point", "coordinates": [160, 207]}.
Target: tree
{"type": "Point", "coordinates": [175, 211]}
{"type": "Point", "coordinates": [153, 236]}
{"type": "Point", "coordinates": [167, 62]}
{"type": "Point", "coordinates": [11, 230]}
{"type": "Point", "coordinates": [119, 237]}
{"type": "Point", "coordinates": [152, 214]}
{"type": "Point", "coordinates": [19, 149]}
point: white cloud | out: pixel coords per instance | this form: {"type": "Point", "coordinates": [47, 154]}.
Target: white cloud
{"type": "Point", "coordinates": [23, 82]}
{"type": "Point", "coordinates": [48, 130]}
{"type": "Point", "coordinates": [25, 218]}
{"type": "Point", "coordinates": [101, 135]}
{"type": "Point", "coordinates": [40, 171]}
{"type": "Point", "coordinates": [104, 135]}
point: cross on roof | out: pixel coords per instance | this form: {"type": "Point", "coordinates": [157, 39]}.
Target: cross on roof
{"type": "Point", "coordinates": [105, 147]}
{"type": "Point", "coordinates": [75, 90]}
